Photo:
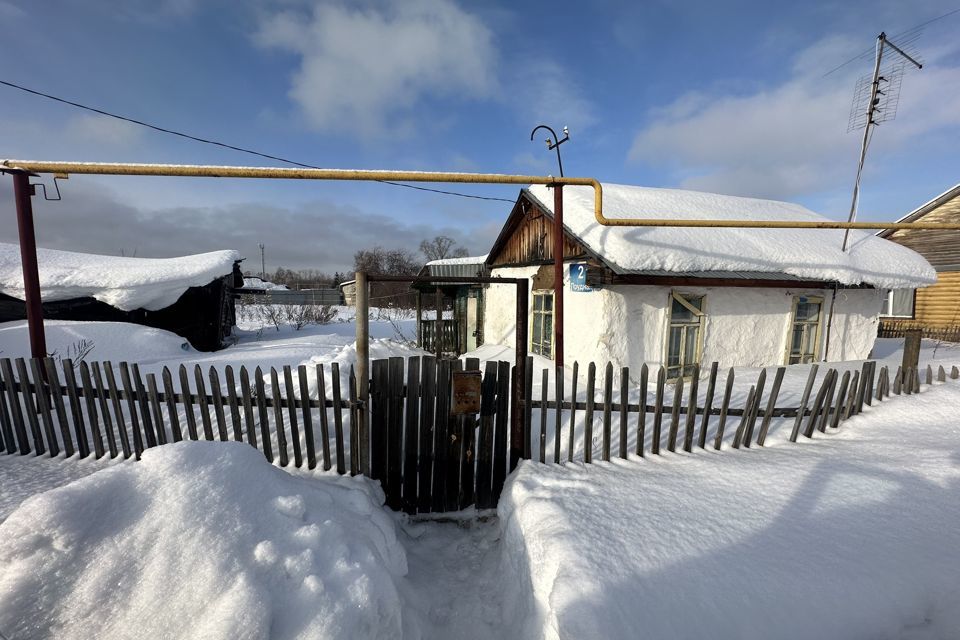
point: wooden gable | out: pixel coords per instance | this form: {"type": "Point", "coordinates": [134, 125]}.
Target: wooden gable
{"type": "Point", "coordinates": [941, 248]}
{"type": "Point", "coordinates": [527, 238]}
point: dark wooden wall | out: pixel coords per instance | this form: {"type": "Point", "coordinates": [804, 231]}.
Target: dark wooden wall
{"type": "Point", "coordinates": [529, 240]}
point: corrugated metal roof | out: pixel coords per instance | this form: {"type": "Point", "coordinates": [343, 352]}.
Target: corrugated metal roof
{"type": "Point", "coordinates": [457, 270]}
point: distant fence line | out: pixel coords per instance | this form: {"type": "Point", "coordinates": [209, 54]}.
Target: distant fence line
{"type": "Point", "coordinates": [427, 457]}
{"type": "Point", "coordinates": [289, 297]}
{"type": "Point", "coordinates": [898, 329]}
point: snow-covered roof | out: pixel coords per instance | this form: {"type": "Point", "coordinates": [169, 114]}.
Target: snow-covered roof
{"type": "Point", "coordinates": [124, 283]}
{"type": "Point", "coordinates": [812, 254]}
{"type": "Point", "coordinates": [464, 260]}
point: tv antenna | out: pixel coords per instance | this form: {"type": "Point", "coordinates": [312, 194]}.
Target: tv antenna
{"type": "Point", "coordinates": [875, 100]}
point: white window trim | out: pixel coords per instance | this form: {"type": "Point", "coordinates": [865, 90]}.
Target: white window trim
{"type": "Point", "coordinates": [913, 306]}
{"type": "Point", "coordinates": [818, 347]}
{"type": "Point", "coordinates": [553, 315]}
{"type": "Point", "coordinates": [701, 314]}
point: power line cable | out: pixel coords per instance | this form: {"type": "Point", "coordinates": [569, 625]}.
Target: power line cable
{"type": "Point", "coordinates": [229, 146]}
{"type": "Point", "coordinates": [910, 33]}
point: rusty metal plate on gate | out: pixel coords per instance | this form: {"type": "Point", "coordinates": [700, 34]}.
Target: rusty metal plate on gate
{"type": "Point", "coordinates": [466, 392]}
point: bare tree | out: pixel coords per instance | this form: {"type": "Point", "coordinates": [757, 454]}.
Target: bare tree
{"type": "Point", "coordinates": [441, 247]}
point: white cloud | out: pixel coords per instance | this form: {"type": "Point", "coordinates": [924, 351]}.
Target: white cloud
{"type": "Point", "coordinates": [103, 130]}
{"type": "Point", "coordinates": [545, 92]}
{"type": "Point", "coordinates": [790, 139]}
{"type": "Point", "coordinates": [368, 69]}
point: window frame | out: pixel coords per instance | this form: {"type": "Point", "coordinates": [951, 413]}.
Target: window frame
{"type": "Point", "coordinates": [815, 356]}
{"type": "Point", "coordinates": [536, 347]}
{"type": "Point", "coordinates": [889, 303]}
{"type": "Point", "coordinates": [700, 324]}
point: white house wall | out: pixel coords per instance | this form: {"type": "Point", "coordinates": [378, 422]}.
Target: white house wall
{"type": "Point", "coordinates": [627, 324]}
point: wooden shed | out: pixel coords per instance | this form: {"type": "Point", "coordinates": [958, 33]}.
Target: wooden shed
{"type": "Point", "coordinates": [935, 309]}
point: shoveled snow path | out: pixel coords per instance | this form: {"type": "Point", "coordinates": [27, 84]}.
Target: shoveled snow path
{"type": "Point", "coordinates": [453, 577]}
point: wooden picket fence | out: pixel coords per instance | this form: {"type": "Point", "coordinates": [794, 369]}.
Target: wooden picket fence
{"type": "Point", "coordinates": [41, 412]}
{"type": "Point", "coordinates": [426, 458]}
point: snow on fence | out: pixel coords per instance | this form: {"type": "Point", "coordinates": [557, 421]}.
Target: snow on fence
{"type": "Point", "coordinates": [427, 457]}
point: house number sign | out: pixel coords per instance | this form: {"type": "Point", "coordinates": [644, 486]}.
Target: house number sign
{"type": "Point", "coordinates": [578, 277]}
{"type": "Point", "coordinates": [466, 392]}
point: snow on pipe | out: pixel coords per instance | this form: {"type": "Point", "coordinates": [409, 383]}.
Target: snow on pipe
{"type": "Point", "coordinates": [218, 171]}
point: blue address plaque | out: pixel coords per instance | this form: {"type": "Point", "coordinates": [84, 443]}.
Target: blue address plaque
{"type": "Point", "coordinates": [578, 277]}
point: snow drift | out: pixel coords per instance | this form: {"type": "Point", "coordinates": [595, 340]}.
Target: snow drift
{"type": "Point", "coordinates": [813, 254]}
{"type": "Point", "coordinates": [202, 540]}
{"type": "Point", "coordinates": [853, 535]}
{"type": "Point", "coordinates": [124, 283]}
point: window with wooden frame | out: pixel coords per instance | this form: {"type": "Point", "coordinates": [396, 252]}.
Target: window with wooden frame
{"type": "Point", "coordinates": [541, 336]}
{"type": "Point", "coordinates": [685, 334]}
{"type": "Point", "coordinates": [804, 339]}
{"type": "Point", "coordinates": [899, 303]}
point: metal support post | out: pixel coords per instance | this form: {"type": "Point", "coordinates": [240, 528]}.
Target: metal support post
{"type": "Point", "coordinates": [28, 259]}
{"type": "Point", "coordinates": [519, 376]}
{"type": "Point", "coordinates": [558, 274]}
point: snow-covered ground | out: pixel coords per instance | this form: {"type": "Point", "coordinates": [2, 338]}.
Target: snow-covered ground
{"type": "Point", "coordinates": [852, 535]}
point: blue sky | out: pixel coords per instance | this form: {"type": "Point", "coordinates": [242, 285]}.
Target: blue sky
{"type": "Point", "coordinates": [726, 97]}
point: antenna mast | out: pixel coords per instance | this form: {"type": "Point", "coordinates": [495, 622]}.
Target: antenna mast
{"type": "Point", "coordinates": [875, 111]}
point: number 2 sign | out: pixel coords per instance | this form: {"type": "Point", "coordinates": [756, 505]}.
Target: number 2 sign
{"type": "Point", "coordinates": [578, 277]}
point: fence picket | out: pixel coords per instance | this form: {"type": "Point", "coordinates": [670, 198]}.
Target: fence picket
{"type": "Point", "coordinates": [260, 397]}
{"type": "Point", "coordinates": [841, 395]}
{"type": "Point", "coordinates": [380, 441]}
{"type": "Point", "coordinates": [202, 403]}
{"type": "Point", "coordinates": [658, 412]}
{"type": "Point", "coordinates": [861, 388]}
{"type": "Point", "coordinates": [187, 399]}
{"type": "Point", "coordinates": [754, 409]}
{"type": "Point", "coordinates": [588, 416]}
{"type": "Point", "coordinates": [441, 437]}
{"type": "Point", "coordinates": [607, 406]}
{"type": "Point", "coordinates": [216, 393]}
{"type": "Point", "coordinates": [954, 372]}
{"type": "Point", "coordinates": [828, 402]}
{"type": "Point", "coordinates": [500, 436]}
{"type": "Point", "coordinates": [249, 419]}
{"type": "Point", "coordinates": [279, 426]}
{"type": "Point", "coordinates": [324, 421]}
{"type": "Point", "coordinates": [149, 434]}
{"type": "Point", "coordinates": [707, 406]}
{"type": "Point", "coordinates": [801, 410]}
{"type": "Point", "coordinates": [718, 440]}
{"type": "Point", "coordinates": [624, 400]}
{"type": "Point", "coordinates": [851, 395]}
{"type": "Point", "coordinates": [91, 403]}
{"type": "Point", "coordinates": [675, 414]}
{"type": "Point", "coordinates": [291, 402]}
{"type": "Point", "coordinates": [744, 417]}
{"type": "Point", "coordinates": [410, 444]}
{"type": "Point", "coordinates": [941, 374]}
{"type": "Point", "coordinates": [6, 419]}
{"type": "Point", "coordinates": [57, 393]}
{"type": "Point", "coordinates": [76, 408]}
{"type": "Point", "coordinates": [235, 422]}
{"type": "Point", "coordinates": [817, 406]}
{"type": "Point", "coordinates": [30, 408]}
{"type": "Point", "coordinates": [43, 404]}
{"type": "Point", "coordinates": [121, 422]}
{"type": "Point", "coordinates": [916, 381]}
{"type": "Point", "coordinates": [338, 417]}
{"type": "Point", "coordinates": [171, 400]}
{"type": "Point", "coordinates": [161, 432]}
{"type": "Point", "coordinates": [898, 381]}
{"type": "Point", "coordinates": [484, 476]}
{"type": "Point", "coordinates": [929, 375]}
{"type": "Point", "coordinates": [16, 412]}
{"type": "Point", "coordinates": [455, 449]}
{"type": "Point", "coordinates": [104, 410]}
{"type": "Point", "coordinates": [771, 405]}
{"type": "Point", "coordinates": [428, 397]}
{"type": "Point", "coordinates": [468, 451]}
{"type": "Point", "coordinates": [129, 391]}
{"type": "Point", "coordinates": [308, 417]}
{"type": "Point", "coordinates": [691, 409]}
{"type": "Point", "coordinates": [394, 480]}
{"type": "Point", "coordinates": [544, 398]}
{"type": "Point", "coordinates": [528, 410]}
{"type": "Point", "coordinates": [642, 416]}
{"type": "Point", "coordinates": [571, 437]}
{"type": "Point", "coordinates": [357, 445]}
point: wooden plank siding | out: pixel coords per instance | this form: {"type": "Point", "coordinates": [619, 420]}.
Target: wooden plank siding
{"type": "Point", "coordinates": [527, 238]}
{"type": "Point", "coordinates": [936, 306]}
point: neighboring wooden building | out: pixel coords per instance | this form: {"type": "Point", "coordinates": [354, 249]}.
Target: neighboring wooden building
{"type": "Point", "coordinates": [462, 331]}
{"type": "Point", "coordinates": [191, 296]}
{"type": "Point", "coordinates": [348, 290]}
{"type": "Point", "coordinates": [678, 297]}
{"type": "Point", "coordinates": [934, 309]}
